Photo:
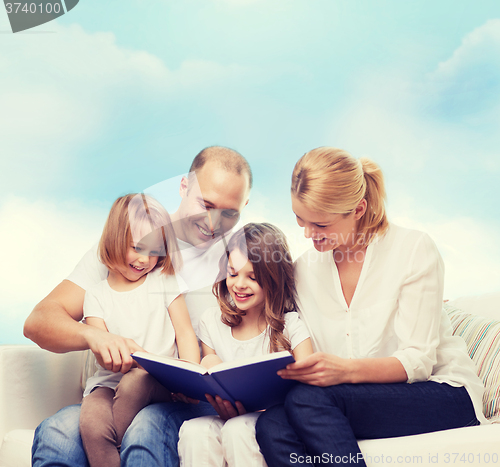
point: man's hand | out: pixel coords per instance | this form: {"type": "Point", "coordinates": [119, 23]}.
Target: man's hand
{"type": "Point", "coordinates": [111, 351]}
{"type": "Point", "coordinates": [224, 408]}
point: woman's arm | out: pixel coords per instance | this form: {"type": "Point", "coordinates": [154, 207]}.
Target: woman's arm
{"type": "Point", "coordinates": [186, 340]}
{"type": "Point", "coordinates": [320, 369]}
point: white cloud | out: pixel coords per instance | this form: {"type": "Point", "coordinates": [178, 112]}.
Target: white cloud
{"type": "Point", "coordinates": [42, 243]}
{"type": "Point", "coordinates": [63, 90]}
{"type": "Point", "coordinates": [479, 49]}
{"type": "Point", "coordinates": [466, 86]}
{"type": "Point", "coordinates": [470, 251]}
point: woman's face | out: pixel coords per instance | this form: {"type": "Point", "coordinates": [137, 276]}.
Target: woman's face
{"type": "Point", "coordinates": [328, 231]}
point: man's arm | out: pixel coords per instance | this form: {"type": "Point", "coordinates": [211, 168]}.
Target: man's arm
{"type": "Point", "coordinates": [54, 325]}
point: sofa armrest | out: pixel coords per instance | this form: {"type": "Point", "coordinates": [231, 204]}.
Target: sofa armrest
{"type": "Point", "coordinates": [35, 384]}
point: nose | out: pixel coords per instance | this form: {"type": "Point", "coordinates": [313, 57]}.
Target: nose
{"type": "Point", "coordinates": [240, 283]}
{"type": "Point", "coordinates": [308, 231]}
{"type": "Point", "coordinates": [214, 219]}
{"type": "Point", "coordinates": [143, 259]}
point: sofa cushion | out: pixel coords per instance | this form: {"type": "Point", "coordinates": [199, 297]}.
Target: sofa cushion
{"type": "Point", "coordinates": [486, 305]}
{"type": "Point", "coordinates": [482, 336]}
{"type": "Point", "coordinates": [16, 448]}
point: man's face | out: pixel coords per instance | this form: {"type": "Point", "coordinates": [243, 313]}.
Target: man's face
{"type": "Point", "coordinates": [211, 204]}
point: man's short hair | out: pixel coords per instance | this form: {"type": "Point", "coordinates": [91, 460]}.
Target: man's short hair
{"type": "Point", "coordinates": [227, 158]}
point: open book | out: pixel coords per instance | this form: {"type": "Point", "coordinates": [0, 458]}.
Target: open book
{"type": "Point", "coordinates": [252, 381]}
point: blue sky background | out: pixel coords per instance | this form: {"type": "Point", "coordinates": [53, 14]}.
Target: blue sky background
{"type": "Point", "coordinates": [116, 96]}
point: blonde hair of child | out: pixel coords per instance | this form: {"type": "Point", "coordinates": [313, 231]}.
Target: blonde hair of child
{"type": "Point", "coordinates": [129, 214]}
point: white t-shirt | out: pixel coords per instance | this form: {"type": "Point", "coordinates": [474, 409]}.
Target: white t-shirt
{"type": "Point", "coordinates": [140, 314]}
{"type": "Point", "coordinates": [199, 271]}
{"type": "Point", "coordinates": [396, 310]}
{"type": "Point", "coordinates": [219, 336]}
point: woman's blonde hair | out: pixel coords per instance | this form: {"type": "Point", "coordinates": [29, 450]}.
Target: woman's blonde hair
{"type": "Point", "coordinates": [266, 248]}
{"type": "Point", "coordinates": [129, 215]}
{"type": "Point", "coordinates": [331, 181]}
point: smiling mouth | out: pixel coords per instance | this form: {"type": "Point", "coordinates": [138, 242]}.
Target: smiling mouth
{"type": "Point", "coordinates": [136, 268]}
{"type": "Point", "coordinates": [207, 233]}
{"type": "Point", "coordinates": [243, 295]}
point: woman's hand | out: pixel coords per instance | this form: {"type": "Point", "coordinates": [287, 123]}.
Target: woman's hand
{"type": "Point", "coordinates": [319, 369]}
{"type": "Point", "coordinates": [224, 408]}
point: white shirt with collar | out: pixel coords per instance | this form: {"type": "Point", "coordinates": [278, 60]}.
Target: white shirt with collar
{"type": "Point", "coordinates": [396, 310]}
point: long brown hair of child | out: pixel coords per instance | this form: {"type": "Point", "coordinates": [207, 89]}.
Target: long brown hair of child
{"type": "Point", "coordinates": [267, 249]}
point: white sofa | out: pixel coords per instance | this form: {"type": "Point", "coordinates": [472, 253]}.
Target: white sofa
{"type": "Point", "coordinates": [34, 384]}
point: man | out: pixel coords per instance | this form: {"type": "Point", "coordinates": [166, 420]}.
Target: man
{"type": "Point", "coordinates": [213, 196]}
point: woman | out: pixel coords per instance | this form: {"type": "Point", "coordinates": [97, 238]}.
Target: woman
{"type": "Point", "coordinates": [371, 295]}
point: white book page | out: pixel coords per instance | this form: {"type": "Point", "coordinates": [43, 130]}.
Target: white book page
{"type": "Point", "coordinates": [172, 362]}
{"type": "Point", "coordinates": [248, 361]}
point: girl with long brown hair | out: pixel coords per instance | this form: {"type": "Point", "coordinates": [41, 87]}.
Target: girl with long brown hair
{"type": "Point", "coordinates": [256, 315]}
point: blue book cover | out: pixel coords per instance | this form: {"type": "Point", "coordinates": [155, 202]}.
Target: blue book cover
{"type": "Point", "coordinates": [252, 381]}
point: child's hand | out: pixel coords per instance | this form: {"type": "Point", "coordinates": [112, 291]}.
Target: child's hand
{"type": "Point", "coordinates": [182, 398]}
{"type": "Point", "coordinates": [224, 408]}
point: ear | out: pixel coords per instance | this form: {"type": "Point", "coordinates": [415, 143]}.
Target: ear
{"type": "Point", "coordinates": [183, 188]}
{"type": "Point", "coordinates": [360, 210]}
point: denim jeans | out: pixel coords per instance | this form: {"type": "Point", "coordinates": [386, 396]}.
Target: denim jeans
{"type": "Point", "coordinates": [151, 439]}
{"type": "Point", "coordinates": [325, 422]}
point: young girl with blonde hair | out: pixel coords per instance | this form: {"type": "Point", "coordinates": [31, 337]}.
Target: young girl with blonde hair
{"type": "Point", "coordinates": [140, 300]}
{"type": "Point", "coordinates": [256, 315]}
{"type": "Point", "coordinates": [371, 294]}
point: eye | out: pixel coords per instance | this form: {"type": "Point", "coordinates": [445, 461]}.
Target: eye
{"type": "Point", "coordinates": [137, 248]}
{"type": "Point", "coordinates": [320, 226]}
{"type": "Point", "coordinates": [230, 214]}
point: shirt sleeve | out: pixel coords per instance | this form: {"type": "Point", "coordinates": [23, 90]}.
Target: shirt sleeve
{"type": "Point", "coordinates": [173, 287]}
{"type": "Point", "coordinates": [206, 325]}
{"type": "Point", "coordinates": [89, 270]}
{"type": "Point", "coordinates": [92, 306]}
{"type": "Point", "coordinates": [418, 317]}
{"type": "Point", "coordinates": [295, 329]}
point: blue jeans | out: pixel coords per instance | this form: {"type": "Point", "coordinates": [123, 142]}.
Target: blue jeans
{"type": "Point", "coordinates": [151, 439]}
{"type": "Point", "coordinates": [326, 422]}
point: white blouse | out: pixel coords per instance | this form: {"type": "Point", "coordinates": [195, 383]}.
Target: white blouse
{"type": "Point", "coordinates": [396, 311]}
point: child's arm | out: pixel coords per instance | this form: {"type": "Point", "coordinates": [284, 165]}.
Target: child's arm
{"type": "Point", "coordinates": [210, 358]}
{"type": "Point", "coordinates": [303, 350]}
{"type": "Point", "coordinates": [97, 322]}
{"type": "Point", "coordinates": [224, 408]}
{"type": "Point", "coordinates": [186, 340]}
